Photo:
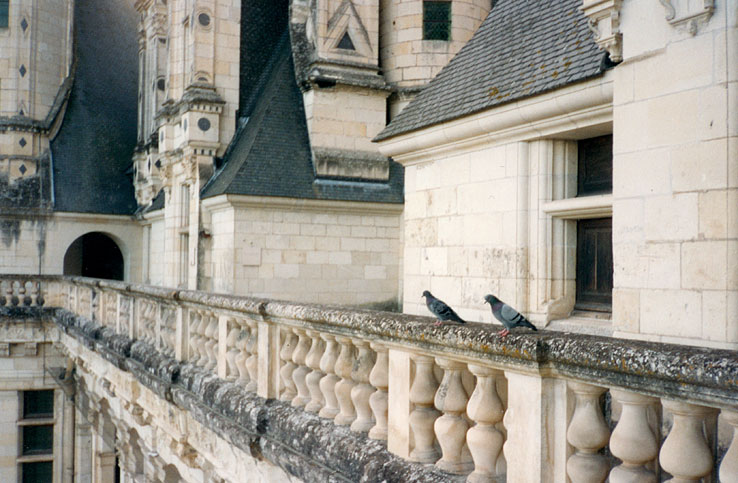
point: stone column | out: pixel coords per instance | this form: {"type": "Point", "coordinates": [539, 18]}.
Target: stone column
{"type": "Point", "coordinates": [362, 390]}
{"type": "Point", "coordinates": [451, 427]}
{"type": "Point", "coordinates": [231, 350]}
{"type": "Point", "coordinates": [378, 399]}
{"type": "Point", "coordinates": [587, 433]}
{"type": "Point", "coordinates": [398, 402]}
{"type": "Point", "coordinates": [347, 413]}
{"type": "Point", "coordinates": [329, 381]}
{"type": "Point", "coordinates": [633, 440]}
{"type": "Point", "coordinates": [685, 453]}
{"type": "Point", "coordinates": [242, 353]}
{"type": "Point", "coordinates": [423, 417]}
{"type": "Point", "coordinates": [532, 435]}
{"type": "Point", "coordinates": [484, 439]}
{"type": "Point", "coordinates": [729, 465]}
{"type": "Point", "coordinates": [268, 367]}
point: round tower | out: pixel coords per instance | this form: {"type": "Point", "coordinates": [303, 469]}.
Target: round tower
{"type": "Point", "coordinates": [418, 37]}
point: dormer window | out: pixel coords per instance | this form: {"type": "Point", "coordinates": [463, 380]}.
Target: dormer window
{"type": "Point", "coordinates": [436, 20]}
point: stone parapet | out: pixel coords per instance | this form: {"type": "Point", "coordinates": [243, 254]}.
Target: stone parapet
{"type": "Point", "coordinates": [546, 387]}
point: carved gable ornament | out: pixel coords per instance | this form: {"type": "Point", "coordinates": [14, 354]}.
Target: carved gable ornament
{"type": "Point", "coordinates": [604, 22]}
{"type": "Point", "coordinates": [688, 15]}
{"type": "Point", "coordinates": [346, 21]}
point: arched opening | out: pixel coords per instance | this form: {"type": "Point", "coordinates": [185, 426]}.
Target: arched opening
{"type": "Point", "coordinates": [94, 255]}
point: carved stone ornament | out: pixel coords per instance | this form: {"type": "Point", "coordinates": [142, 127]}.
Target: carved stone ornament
{"type": "Point", "coordinates": [688, 15]}
{"type": "Point", "coordinates": [604, 22]}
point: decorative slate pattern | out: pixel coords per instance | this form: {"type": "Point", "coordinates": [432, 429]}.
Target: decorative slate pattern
{"type": "Point", "coordinates": [523, 48]}
{"type": "Point", "coordinates": [92, 152]}
{"type": "Point", "coordinates": [270, 154]}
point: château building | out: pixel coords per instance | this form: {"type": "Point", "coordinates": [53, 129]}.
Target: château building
{"type": "Point", "coordinates": [217, 218]}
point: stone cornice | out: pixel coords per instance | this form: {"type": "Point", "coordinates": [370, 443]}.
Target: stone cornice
{"type": "Point", "coordinates": [322, 206]}
{"type": "Point", "coordinates": [554, 113]}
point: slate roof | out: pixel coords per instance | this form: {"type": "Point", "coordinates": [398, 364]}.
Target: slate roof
{"type": "Point", "coordinates": [270, 154]}
{"type": "Point", "coordinates": [523, 48]}
{"type": "Point", "coordinates": [93, 149]}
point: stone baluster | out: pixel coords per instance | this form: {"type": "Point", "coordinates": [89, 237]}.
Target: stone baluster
{"type": "Point", "coordinates": [312, 360]}
{"type": "Point", "coordinates": [451, 427]}
{"type": "Point", "coordinates": [242, 356]}
{"type": "Point", "coordinates": [289, 342]}
{"type": "Point", "coordinates": [329, 381]}
{"type": "Point", "coordinates": [486, 410]}
{"type": "Point", "coordinates": [301, 371]}
{"type": "Point", "coordinates": [252, 361]}
{"type": "Point", "coordinates": [362, 390]}
{"type": "Point", "coordinates": [22, 295]}
{"type": "Point", "coordinates": [587, 433]}
{"type": "Point", "coordinates": [232, 351]}
{"type": "Point", "coordinates": [200, 340]}
{"type": "Point", "coordinates": [423, 416]}
{"type": "Point", "coordinates": [211, 341]}
{"type": "Point", "coordinates": [344, 363]}
{"type": "Point", "coordinates": [378, 400]}
{"type": "Point", "coordinates": [685, 453]}
{"type": "Point", "coordinates": [729, 465]}
{"type": "Point", "coordinates": [633, 440]}
{"type": "Point", "coordinates": [194, 336]}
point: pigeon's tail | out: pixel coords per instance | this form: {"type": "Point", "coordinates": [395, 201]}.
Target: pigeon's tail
{"type": "Point", "coordinates": [526, 323]}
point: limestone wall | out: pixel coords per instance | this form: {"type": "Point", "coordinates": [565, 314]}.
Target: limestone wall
{"type": "Point", "coordinates": [38, 244]}
{"type": "Point", "coordinates": [675, 222]}
{"type": "Point", "coordinates": [322, 252]}
{"type": "Point", "coordinates": [24, 358]}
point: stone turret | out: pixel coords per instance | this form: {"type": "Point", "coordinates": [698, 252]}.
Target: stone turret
{"type": "Point", "coordinates": [419, 37]}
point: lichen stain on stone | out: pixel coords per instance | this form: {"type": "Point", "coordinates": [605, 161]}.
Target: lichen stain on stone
{"type": "Point", "coordinates": [10, 231]}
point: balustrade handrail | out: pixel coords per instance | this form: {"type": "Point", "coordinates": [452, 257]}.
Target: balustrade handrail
{"type": "Point", "coordinates": [694, 374]}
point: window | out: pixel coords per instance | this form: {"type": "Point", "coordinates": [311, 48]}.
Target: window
{"type": "Point", "coordinates": [4, 13]}
{"type": "Point", "coordinates": [38, 404]}
{"type": "Point", "coordinates": [594, 264]}
{"type": "Point", "coordinates": [594, 236]}
{"type": "Point", "coordinates": [436, 20]}
{"type": "Point", "coordinates": [36, 430]}
{"type": "Point", "coordinates": [184, 235]}
{"type": "Point", "coordinates": [37, 472]}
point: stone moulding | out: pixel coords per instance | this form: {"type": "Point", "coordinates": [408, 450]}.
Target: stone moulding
{"type": "Point", "coordinates": [681, 16]}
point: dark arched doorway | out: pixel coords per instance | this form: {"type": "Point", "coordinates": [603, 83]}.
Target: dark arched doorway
{"type": "Point", "coordinates": [94, 255]}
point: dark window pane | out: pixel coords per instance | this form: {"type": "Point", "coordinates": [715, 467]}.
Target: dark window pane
{"type": "Point", "coordinates": [4, 7]}
{"type": "Point", "coordinates": [40, 472]}
{"type": "Point", "coordinates": [436, 20]}
{"type": "Point", "coordinates": [38, 404]}
{"type": "Point", "coordinates": [38, 439]}
{"type": "Point", "coordinates": [594, 264]}
{"type": "Point", "coordinates": [346, 42]}
{"type": "Point", "coordinates": [594, 174]}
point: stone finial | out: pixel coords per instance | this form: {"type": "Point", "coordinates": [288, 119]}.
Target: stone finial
{"type": "Point", "coordinates": [604, 21]}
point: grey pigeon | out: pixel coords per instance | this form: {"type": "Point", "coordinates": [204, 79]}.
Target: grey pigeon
{"type": "Point", "coordinates": [442, 311]}
{"type": "Point", "coordinates": [509, 317]}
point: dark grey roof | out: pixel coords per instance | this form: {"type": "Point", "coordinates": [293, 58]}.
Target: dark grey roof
{"type": "Point", "coordinates": [270, 154]}
{"type": "Point", "coordinates": [523, 48]}
{"type": "Point", "coordinates": [92, 151]}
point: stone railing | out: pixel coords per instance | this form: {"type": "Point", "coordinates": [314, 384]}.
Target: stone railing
{"type": "Point", "coordinates": [542, 406]}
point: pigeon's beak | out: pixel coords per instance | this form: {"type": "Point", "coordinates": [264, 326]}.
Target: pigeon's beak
{"type": "Point", "coordinates": [485, 301]}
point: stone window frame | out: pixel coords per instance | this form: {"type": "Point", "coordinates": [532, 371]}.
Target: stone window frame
{"type": "Point", "coordinates": [553, 233]}
{"type": "Point", "coordinates": [183, 235]}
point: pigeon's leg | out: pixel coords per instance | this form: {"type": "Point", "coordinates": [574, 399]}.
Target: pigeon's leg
{"type": "Point", "coordinates": [503, 333]}
{"type": "Point", "coordinates": [438, 322]}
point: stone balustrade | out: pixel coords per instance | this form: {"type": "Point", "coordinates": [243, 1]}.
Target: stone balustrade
{"type": "Point", "coordinates": [542, 406]}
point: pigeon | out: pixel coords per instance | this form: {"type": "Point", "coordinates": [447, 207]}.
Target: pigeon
{"type": "Point", "coordinates": [440, 309]}
{"type": "Point", "coordinates": [509, 317]}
